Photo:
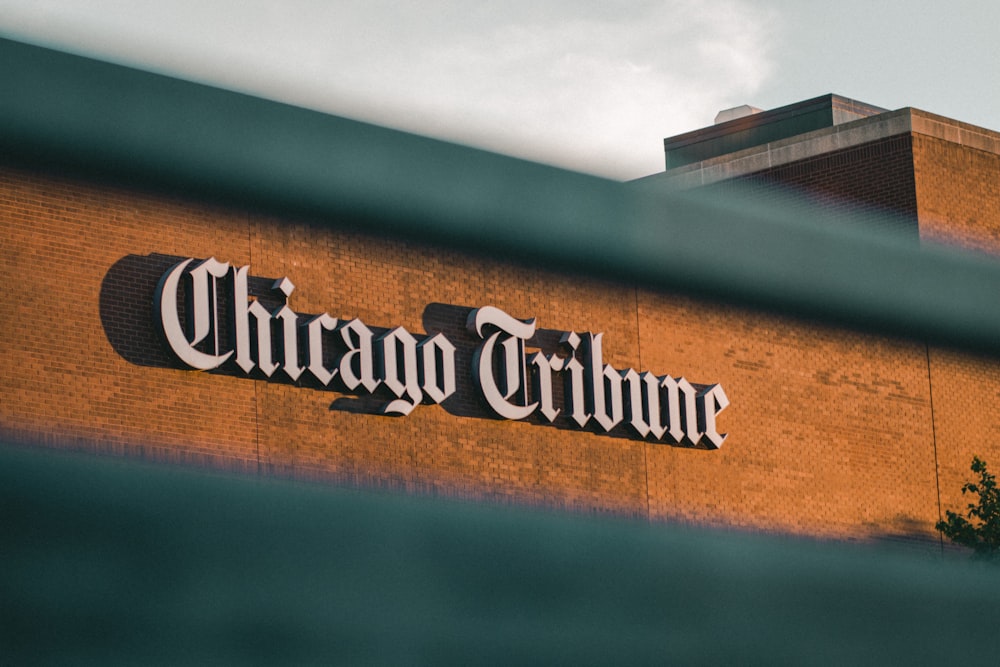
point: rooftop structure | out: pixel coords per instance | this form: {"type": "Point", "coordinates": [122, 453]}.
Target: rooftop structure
{"type": "Point", "coordinates": [931, 177]}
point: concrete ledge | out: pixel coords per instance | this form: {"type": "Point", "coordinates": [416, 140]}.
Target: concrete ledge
{"type": "Point", "coordinates": [793, 149]}
{"type": "Point", "coordinates": [954, 131]}
{"type": "Point", "coordinates": [826, 140]}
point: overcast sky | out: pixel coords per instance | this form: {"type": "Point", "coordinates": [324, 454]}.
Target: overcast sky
{"type": "Point", "coordinates": [589, 85]}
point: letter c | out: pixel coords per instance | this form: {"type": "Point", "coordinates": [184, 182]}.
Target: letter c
{"type": "Point", "coordinates": [165, 306]}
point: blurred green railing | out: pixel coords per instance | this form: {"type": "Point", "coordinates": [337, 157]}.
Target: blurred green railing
{"type": "Point", "coordinates": [104, 561]}
{"type": "Point", "coordinates": [67, 112]}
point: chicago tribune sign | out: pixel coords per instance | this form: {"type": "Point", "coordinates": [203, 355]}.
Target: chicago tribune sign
{"type": "Point", "coordinates": [410, 369]}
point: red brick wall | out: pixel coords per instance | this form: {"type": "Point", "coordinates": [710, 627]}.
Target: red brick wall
{"type": "Point", "coordinates": [958, 202]}
{"type": "Point", "coordinates": [831, 432]}
{"type": "Point", "coordinates": [958, 194]}
{"type": "Point", "coordinates": [62, 382]}
{"type": "Point", "coordinates": [966, 391]}
{"type": "Point", "coordinates": [873, 182]}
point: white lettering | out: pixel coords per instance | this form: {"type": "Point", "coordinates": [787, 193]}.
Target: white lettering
{"type": "Point", "coordinates": [575, 391]}
{"type": "Point", "coordinates": [165, 304]}
{"type": "Point", "coordinates": [316, 326]}
{"type": "Point", "coordinates": [357, 366]}
{"type": "Point", "coordinates": [604, 385]}
{"type": "Point", "coordinates": [514, 384]}
{"type": "Point", "coordinates": [398, 367]}
{"type": "Point", "coordinates": [511, 382]}
{"type": "Point", "coordinates": [711, 401]}
{"type": "Point", "coordinates": [541, 376]}
{"type": "Point", "coordinates": [437, 367]}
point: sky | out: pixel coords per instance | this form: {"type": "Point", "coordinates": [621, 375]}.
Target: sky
{"type": "Point", "coordinates": [589, 85]}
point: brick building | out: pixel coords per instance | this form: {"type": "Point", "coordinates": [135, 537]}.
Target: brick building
{"type": "Point", "coordinates": [925, 177]}
{"type": "Point", "coordinates": [831, 432]}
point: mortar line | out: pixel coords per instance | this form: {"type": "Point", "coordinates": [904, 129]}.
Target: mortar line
{"type": "Point", "coordinates": [937, 468]}
{"type": "Point", "coordinates": [645, 445]}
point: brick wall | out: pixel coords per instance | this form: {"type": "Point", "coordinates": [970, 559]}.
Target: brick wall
{"type": "Point", "coordinates": [831, 432]}
{"type": "Point", "coordinates": [872, 183]}
{"type": "Point", "coordinates": [958, 194]}
{"type": "Point", "coordinates": [958, 203]}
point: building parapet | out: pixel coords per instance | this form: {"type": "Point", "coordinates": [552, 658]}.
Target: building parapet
{"type": "Point", "coordinates": [826, 140]}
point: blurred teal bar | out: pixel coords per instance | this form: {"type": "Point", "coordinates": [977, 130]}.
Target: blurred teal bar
{"type": "Point", "coordinates": [62, 111]}
{"type": "Point", "coordinates": [107, 562]}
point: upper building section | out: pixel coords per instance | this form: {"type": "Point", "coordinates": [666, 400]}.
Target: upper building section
{"type": "Point", "coordinates": [932, 178]}
{"type": "Point", "coordinates": [745, 127]}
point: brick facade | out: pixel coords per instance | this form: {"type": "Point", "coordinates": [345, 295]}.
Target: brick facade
{"type": "Point", "coordinates": [958, 203]}
{"type": "Point", "coordinates": [873, 182]}
{"type": "Point", "coordinates": [832, 433]}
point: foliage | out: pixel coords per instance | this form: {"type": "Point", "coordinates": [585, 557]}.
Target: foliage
{"type": "Point", "coordinates": [983, 538]}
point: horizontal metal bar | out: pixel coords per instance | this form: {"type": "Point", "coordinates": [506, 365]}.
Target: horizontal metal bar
{"type": "Point", "coordinates": [106, 561]}
{"type": "Point", "coordinates": [103, 120]}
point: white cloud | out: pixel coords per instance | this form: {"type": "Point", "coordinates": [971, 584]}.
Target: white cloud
{"type": "Point", "coordinates": [594, 87]}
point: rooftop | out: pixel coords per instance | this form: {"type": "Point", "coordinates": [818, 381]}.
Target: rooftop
{"type": "Point", "coordinates": [800, 131]}
{"type": "Point", "coordinates": [753, 127]}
